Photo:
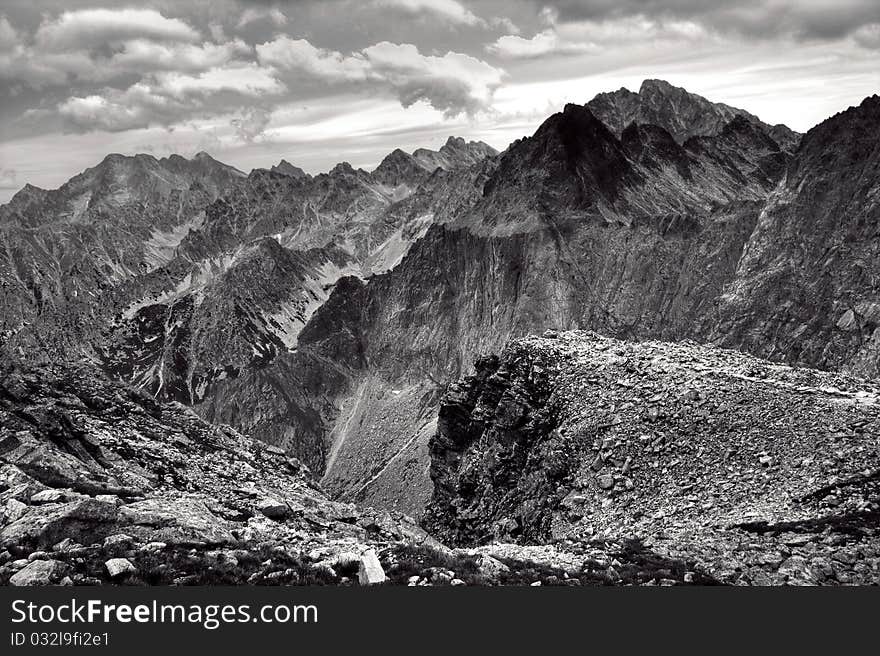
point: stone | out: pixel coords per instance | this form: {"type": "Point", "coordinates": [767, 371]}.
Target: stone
{"type": "Point", "coordinates": [15, 510]}
{"type": "Point", "coordinates": [606, 481]}
{"type": "Point", "coordinates": [491, 567]}
{"type": "Point", "coordinates": [119, 539]}
{"type": "Point", "coordinates": [82, 520]}
{"type": "Point", "coordinates": [174, 520]}
{"type": "Point", "coordinates": [66, 545]}
{"type": "Point", "coordinates": [370, 570]}
{"type": "Point", "coordinates": [39, 572]}
{"type": "Point", "coordinates": [274, 509]}
{"type": "Point", "coordinates": [53, 496]}
{"type": "Point", "coordinates": [110, 498]}
{"type": "Point", "coordinates": [118, 568]}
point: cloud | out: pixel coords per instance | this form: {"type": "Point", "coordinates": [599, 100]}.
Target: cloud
{"type": "Point", "coordinates": [253, 14]}
{"type": "Point", "coordinates": [252, 123]}
{"type": "Point", "coordinates": [868, 36]}
{"type": "Point", "coordinates": [594, 37]}
{"type": "Point", "coordinates": [87, 28]}
{"type": "Point", "coordinates": [543, 43]}
{"type": "Point", "coordinates": [247, 79]}
{"type": "Point", "coordinates": [165, 99]}
{"type": "Point", "coordinates": [8, 36]}
{"type": "Point", "coordinates": [144, 55]}
{"type": "Point", "coordinates": [453, 83]}
{"type": "Point", "coordinates": [800, 19]}
{"type": "Point", "coordinates": [298, 55]}
{"type": "Point", "coordinates": [100, 45]}
{"type": "Point", "coordinates": [449, 10]}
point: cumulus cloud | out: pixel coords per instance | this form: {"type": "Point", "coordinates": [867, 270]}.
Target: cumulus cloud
{"type": "Point", "coordinates": [170, 97]}
{"type": "Point", "coordinates": [543, 43]}
{"type": "Point", "coordinates": [126, 69]}
{"type": "Point", "coordinates": [144, 55]}
{"type": "Point", "coordinates": [253, 14]}
{"type": "Point", "coordinates": [449, 10]}
{"type": "Point", "coordinates": [298, 55]}
{"type": "Point", "coordinates": [83, 29]}
{"type": "Point", "coordinates": [454, 83]}
{"type": "Point", "coordinates": [592, 37]}
{"type": "Point", "coordinates": [247, 79]}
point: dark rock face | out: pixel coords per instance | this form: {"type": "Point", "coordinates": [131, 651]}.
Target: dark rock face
{"type": "Point", "coordinates": [805, 289]}
{"type": "Point", "coordinates": [694, 450]}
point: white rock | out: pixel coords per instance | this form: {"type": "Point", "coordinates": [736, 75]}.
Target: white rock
{"type": "Point", "coordinates": [38, 572]}
{"type": "Point", "coordinates": [119, 567]}
{"type": "Point", "coordinates": [15, 509]}
{"type": "Point", "coordinates": [370, 570]}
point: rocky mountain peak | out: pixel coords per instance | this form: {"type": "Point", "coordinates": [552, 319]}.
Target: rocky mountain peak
{"type": "Point", "coordinates": [286, 168]}
{"type": "Point", "coordinates": [399, 167]}
{"type": "Point", "coordinates": [456, 153]}
{"type": "Point", "coordinates": [682, 113]}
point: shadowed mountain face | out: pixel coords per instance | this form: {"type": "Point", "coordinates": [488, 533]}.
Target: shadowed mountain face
{"type": "Point", "coordinates": [327, 314]}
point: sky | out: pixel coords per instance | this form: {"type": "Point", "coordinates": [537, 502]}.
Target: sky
{"type": "Point", "coordinates": [319, 82]}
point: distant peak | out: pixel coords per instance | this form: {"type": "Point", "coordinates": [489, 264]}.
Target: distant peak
{"type": "Point", "coordinates": [286, 168]}
{"type": "Point", "coordinates": [657, 85]}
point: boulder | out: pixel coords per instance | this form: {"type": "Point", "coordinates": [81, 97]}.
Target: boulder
{"type": "Point", "coordinates": [274, 509]}
{"type": "Point", "coordinates": [370, 570]}
{"type": "Point", "coordinates": [55, 496]}
{"type": "Point", "coordinates": [39, 572]}
{"type": "Point", "coordinates": [15, 510]}
{"type": "Point", "coordinates": [86, 521]}
{"type": "Point", "coordinates": [118, 568]}
{"type": "Point", "coordinates": [174, 520]}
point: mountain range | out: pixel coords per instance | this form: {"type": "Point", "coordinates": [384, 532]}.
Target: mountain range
{"type": "Point", "coordinates": [331, 315]}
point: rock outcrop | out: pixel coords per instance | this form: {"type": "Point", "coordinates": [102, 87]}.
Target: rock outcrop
{"type": "Point", "coordinates": [758, 473]}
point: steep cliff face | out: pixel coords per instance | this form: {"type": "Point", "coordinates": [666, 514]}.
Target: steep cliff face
{"type": "Point", "coordinates": [575, 437]}
{"type": "Point", "coordinates": [807, 289]}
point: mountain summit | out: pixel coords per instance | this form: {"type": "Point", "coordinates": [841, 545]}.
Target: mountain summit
{"type": "Point", "coordinates": [682, 113]}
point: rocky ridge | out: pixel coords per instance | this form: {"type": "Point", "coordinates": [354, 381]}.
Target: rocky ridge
{"type": "Point", "coordinates": [100, 484]}
{"type": "Point", "coordinates": [758, 473]}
